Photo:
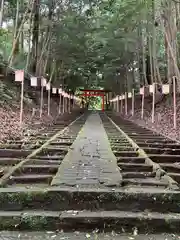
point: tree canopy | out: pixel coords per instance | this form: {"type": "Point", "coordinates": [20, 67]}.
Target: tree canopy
{"type": "Point", "coordinates": [115, 44]}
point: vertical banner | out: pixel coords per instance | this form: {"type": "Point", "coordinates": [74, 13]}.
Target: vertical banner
{"type": "Point", "coordinates": [152, 90]}
{"type": "Point", "coordinates": [54, 90]}
{"type": "Point", "coordinates": [19, 77]}
{"type": "Point", "coordinates": [142, 102]}
{"type": "Point", "coordinates": [126, 110]}
{"type": "Point", "coordinates": [174, 102]}
{"type": "Point", "coordinates": [165, 89]}
{"type": "Point", "coordinates": [43, 82]}
{"type": "Point", "coordinates": [133, 102]}
{"type": "Point", "coordinates": [34, 81]}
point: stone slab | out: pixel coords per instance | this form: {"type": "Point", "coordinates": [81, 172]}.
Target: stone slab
{"type": "Point", "coordinates": [90, 158]}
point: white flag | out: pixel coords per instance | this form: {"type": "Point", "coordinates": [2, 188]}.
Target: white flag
{"type": "Point", "coordinates": [142, 90]}
{"type": "Point", "coordinates": [43, 82]}
{"type": "Point", "coordinates": [48, 87]}
{"type": "Point", "coordinates": [129, 95]}
{"type": "Point", "coordinates": [165, 89]}
{"type": "Point", "coordinates": [33, 81]}
{"type": "Point", "coordinates": [54, 90]}
{"type": "Point", "coordinates": [19, 75]}
{"type": "Point", "coordinates": [60, 90]}
{"type": "Point", "coordinates": [151, 88]}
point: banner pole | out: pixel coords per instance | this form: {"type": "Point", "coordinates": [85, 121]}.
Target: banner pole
{"type": "Point", "coordinates": [153, 102]}
{"type": "Point", "coordinates": [133, 102]}
{"type": "Point", "coordinates": [22, 96]}
{"type": "Point", "coordinates": [174, 101]}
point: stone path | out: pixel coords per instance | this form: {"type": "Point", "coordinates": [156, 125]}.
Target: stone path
{"type": "Point", "coordinates": [90, 160]}
{"type": "Point", "coordinates": [82, 236]}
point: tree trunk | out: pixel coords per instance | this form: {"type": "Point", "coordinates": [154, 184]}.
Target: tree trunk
{"type": "Point", "coordinates": [1, 13]}
{"type": "Point", "coordinates": [35, 38]}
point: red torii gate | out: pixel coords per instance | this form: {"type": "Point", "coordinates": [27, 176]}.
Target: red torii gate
{"type": "Point", "coordinates": [94, 93]}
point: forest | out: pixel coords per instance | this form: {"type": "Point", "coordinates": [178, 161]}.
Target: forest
{"type": "Point", "coordinates": [118, 45]}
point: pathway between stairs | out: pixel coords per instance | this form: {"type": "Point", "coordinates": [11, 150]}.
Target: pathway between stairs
{"type": "Point", "coordinates": [90, 160]}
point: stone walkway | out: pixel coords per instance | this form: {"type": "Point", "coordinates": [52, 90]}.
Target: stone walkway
{"type": "Point", "coordinates": [82, 236]}
{"type": "Point", "coordinates": [90, 160]}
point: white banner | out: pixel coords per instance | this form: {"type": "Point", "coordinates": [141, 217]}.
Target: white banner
{"type": "Point", "coordinates": [48, 87]}
{"type": "Point", "coordinates": [54, 90]}
{"type": "Point", "coordinates": [129, 95]}
{"type": "Point", "coordinates": [19, 75]}
{"type": "Point", "coordinates": [60, 90]}
{"type": "Point", "coordinates": [152, 88]}
{"type": "Point", "coordinates": [165, 89]}
{"type": "Point", "coordinates": [43, 82]}
{"type": "Point", "coordinates": [33, 81]}
{"type": "Point", "coordinates": [142, 90]}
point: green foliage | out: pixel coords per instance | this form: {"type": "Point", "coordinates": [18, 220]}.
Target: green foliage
{"type": "Point", "coordinates": [88, 38]}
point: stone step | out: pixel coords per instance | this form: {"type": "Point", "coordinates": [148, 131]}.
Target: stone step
{"type": "Point", "coordinates": [50, 157]}
{"type": "Point", "coordinates": [131, 159]}
{"type": "Point", "coordinates": [38, 169]}
{"type": "Point", "coordinates": [175, 176]}
{"type": "Point", "coordinates": [171, 168]}
{"type": "Point", "coordinates": [163, 151]}
{"type": "Point", "coordinates": [9, 161]}
{"type": "Point", "coordinates": [134, 175]}
{"type": "Point", "coordinates": [6, 153]}
{"type": "Point", "coordinates": [52, 151]}
{"type": "Point", "coordinates": [144, 182]}
{"type": "Point", "coordinates": [122, 148]}
{"type": "Point", "coordinates": [136, 167]}
{"type": "Point", "coordinates": [159, 145]}
{"type": "Point", "coordinates": [57, 198]}
{"type": "Point", "coordinates": [125, 153]}
{"type": "Point", "coordinates": [80, 220]}
{"type": "Point", "coordinates": [44, 162]}
{"type": "Point", "coordinates": [164, 158]}
{"type": "Point", "coordinates": [31, 178]}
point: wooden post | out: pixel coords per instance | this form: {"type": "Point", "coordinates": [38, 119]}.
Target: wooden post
{"type": "Point", "coordinates": [43, 84]}
{"type": "Point", "coordinates": [118, 103]}
{"type": "Point", "coordinates": [41, 102]}
{"type": "Point", "coordinates": [22, 97]}
{"type": "Point", "coordinates": [63, 102]}
{"type": "Point", "coordinates": [19, 77]}
{"type": "Point", "coordinates": [103, 103]}
{"type": "Point", "coordinates": [153, 101]}
{"type": "Point", "coordinates": [133, 102]}
{"type": "Point", "coordinates": [142, 102]}
{"type": "Point", "coordinates": [49, 101]}
{"type": "Point", "coordinates": [121, 104]}
{"type": "Point", "coordinates": [73, 102]}
{"type": "Point", "coordinates": [60, 103]}
{"type": "Point", "coordinates": [69, 103]}
{"type": "Point", "coordinates": [126, 103]}
{"type": "Point", "coordinates": [174, 103]}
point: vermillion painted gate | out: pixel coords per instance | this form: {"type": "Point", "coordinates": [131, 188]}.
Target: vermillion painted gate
{"type": "Point", "coordinates": [94, 93]}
